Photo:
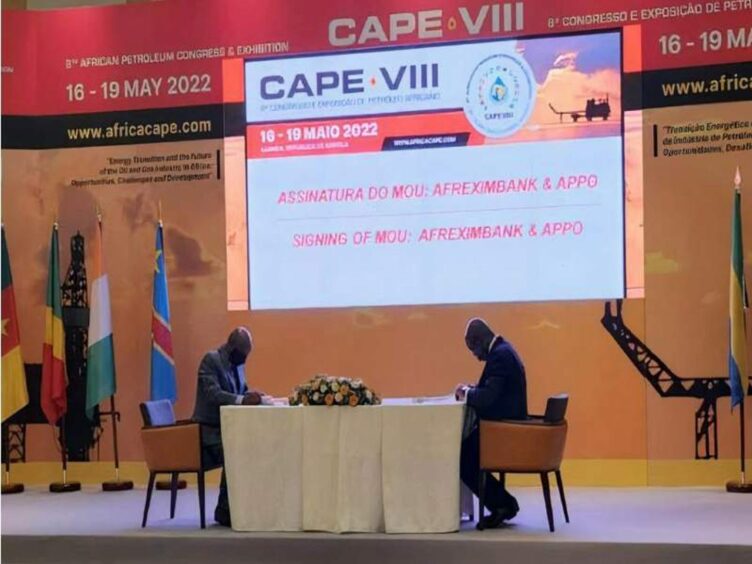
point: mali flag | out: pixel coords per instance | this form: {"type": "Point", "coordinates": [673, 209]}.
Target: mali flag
{"type": "Point", "coordinates": [738, 377]}
{"type": "Point", "coordinates": [53, 394]}
{"type": "Point", "coordinates": [163, 385]}
{"type": "Point", "coordinates": [15, 395]}
{"type": "Point", "coordinates": [100, 360]}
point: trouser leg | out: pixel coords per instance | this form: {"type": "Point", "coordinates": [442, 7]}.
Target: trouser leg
{"type": "Point", "coordinates": [497, 497]}
{"type": "Point", "coordinates": [213, 456]}
{"type": "Point", "coordinates": [223, 502]}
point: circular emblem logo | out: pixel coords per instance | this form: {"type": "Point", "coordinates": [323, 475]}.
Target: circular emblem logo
{"type": "Point", "coordinates": [500, 95]}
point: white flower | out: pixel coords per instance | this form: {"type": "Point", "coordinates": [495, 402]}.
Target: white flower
{"type": "Point", "coordinates": [316, 396]}
{"type": "Point", "coordinates": [335, 386]}
{"type": "Point", "coordinates": [356, 384]}
{"type": "Point", "coordinates": [322, 389]}
{"type": "Point", "coordinates": [369, 395]}
{"type": "Point", "coordinates": [338, 397]}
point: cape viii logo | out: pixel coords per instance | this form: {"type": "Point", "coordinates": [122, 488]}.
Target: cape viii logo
{"type": "Point", "coordinates": [500, 95]}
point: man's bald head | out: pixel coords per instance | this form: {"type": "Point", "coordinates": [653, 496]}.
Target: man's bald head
{"type": "Point", "coordinates": [239, 345]}
{"type": "Point", "coordinates": [478, 337]}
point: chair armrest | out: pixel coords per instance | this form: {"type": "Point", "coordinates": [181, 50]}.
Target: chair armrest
{"type": "Point", "coordinates": [172, 448]}
{"type": "Point", "coordinates": [522, 446]}
{"type": "Point", "coordinates": [531, 420]}
{"type": "Point", "coordinates": [179, 423]}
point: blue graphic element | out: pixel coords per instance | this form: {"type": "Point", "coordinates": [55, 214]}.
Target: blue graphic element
{"type": "Point", "coordinates": [498, 91]}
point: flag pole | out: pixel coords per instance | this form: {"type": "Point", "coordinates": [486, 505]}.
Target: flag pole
{"type": "Point", "coordinates": [742, 486]}
{"type": "Point", "coordinates": [166, 484]}
{"type": "Point", "coordinates": [741, 419]}
{"type": "Point", "coordinates": [8, 486]}
{"type": "Point", "coordinates": [6, 443]}
{"type": "Point", "coordinates": [65, 486]}
{"type": "Point", "coordinates": [114, 437]}
{"type": "Point", "coordinates": [64, 449]}
{"type": "Point", "coordinates": [116, 485]}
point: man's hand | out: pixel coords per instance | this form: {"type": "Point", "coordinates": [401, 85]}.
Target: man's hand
{"type": "Point", "coordinates": [460, 392]}
{"type": "Point", "coordinates": [252, 398]}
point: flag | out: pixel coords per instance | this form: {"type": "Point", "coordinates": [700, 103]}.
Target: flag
{"type": "Point", "coordinates": [100, 360]}
{"type": "Point", "coordinates": [15, 394]}
{"type": "Point", "coordinates": [738, 377]}
{"type": "Point", "coordinates": [53, 394]}
{"type": "Point", "coordinates": [163, 385]}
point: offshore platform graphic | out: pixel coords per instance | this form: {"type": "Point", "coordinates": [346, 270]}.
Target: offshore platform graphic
{"type": "Point", "coordinates": [668, 385]}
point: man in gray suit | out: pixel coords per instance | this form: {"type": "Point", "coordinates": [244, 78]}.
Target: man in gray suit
{"type": "Point", "coordinates": [221, 381]}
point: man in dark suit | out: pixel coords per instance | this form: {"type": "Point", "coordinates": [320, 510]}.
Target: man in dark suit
{"type": "Point", "coordinates": [221, 381]}
{"type": "Point", "coordinates": [501, 393]}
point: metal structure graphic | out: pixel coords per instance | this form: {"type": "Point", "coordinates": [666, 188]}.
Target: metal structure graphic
{"type": "Point", "coordinates": [668, 385]}
{"type": "Point", "coordinates": [81, 434]}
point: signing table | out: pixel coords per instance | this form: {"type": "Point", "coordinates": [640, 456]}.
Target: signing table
{"type": "Point", "coordinates": [392, 467]}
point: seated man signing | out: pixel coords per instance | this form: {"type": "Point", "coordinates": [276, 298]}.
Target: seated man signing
{"type": "Point", "coordinates": [221, 381]}
{"type": "Point", "coordinates": [501, 393]}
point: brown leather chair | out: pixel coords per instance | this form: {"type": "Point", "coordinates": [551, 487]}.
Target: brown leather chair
{"type": "Point", "coordinates": [171, 447]}
{"type": "Point", "coordinates": [532, 446]}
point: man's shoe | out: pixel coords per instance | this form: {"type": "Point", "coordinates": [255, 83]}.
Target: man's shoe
{"type": "Point", "coordinates": [222, 516]}
{"type": "Point", "coordinates": [497, 517]}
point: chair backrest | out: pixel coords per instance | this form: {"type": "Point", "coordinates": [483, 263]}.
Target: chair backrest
{"type": "Point", "coordinates": [556, 408]}
{"type": "Point", "coordinates": [157, 413]}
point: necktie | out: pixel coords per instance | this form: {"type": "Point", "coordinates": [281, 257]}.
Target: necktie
{"type": "Point", "coordinates": [236, 379]}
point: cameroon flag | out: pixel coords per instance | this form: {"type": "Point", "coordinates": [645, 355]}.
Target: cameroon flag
{"type": "Point", "coordinates": [53, 394]}
{"type": "Point", "coordinates": [15, 395]}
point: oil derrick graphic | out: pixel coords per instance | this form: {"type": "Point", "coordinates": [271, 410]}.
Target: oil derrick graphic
{"type": "Point", "coordinates": [668, 385]}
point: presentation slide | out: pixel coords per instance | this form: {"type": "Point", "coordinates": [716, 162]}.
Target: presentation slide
{"type": "Point", "coordinates": [462, 173]}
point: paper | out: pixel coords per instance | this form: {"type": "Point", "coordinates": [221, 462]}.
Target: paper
{"type": "Point", "coordinates": [428, 400]}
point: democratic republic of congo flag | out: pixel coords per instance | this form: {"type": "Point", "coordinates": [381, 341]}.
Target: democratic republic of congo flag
{"type": "Point", "coordinates": [163, 384]}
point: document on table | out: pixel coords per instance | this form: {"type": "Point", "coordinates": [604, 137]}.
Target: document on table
{"type": "Point", "coordinates": [419, 400]}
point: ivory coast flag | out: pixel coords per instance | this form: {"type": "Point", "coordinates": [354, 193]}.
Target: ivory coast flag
{"type": "Point", "coordinates": [53, 394]}
{"type": "Point", "coordinates": [100, 361]}
{"type": "Point", "coordinates": [15, 395]}
{"type": "Point", "coordinates": [738, 377]}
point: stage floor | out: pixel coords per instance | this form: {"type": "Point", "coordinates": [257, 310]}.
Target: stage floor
{"type": "Point", "coordinates": [645, 524]}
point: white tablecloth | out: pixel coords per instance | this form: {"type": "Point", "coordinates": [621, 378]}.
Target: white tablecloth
{"type": "Point", "coordinates": [393, 467]}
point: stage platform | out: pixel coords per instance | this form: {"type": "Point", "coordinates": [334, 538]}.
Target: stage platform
{"type": "Point", "coordinates": [609, 525]}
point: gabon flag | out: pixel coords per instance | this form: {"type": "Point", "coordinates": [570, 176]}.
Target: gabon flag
{"type": "Point", "coordinates": [54, 383]}
{"type": "Point", "coordinates": [737, 357]}
{"type": "Point", "coordinates": [15, 395]}
{"type": "Point", "coordinates": [100, 360]}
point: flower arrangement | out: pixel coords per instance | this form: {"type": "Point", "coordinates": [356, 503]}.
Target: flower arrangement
{"type": "Point", "coordinates": [333, 390]}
